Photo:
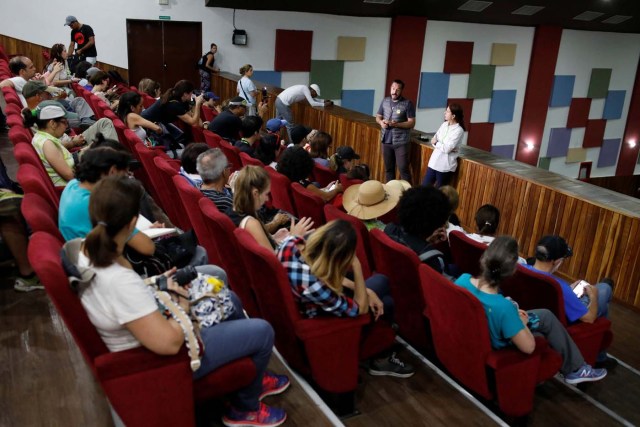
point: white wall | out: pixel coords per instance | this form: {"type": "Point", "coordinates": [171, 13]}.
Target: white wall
{"type": "Point", "coordinates": [109, 25]}
{"type": "Point", "coordinates": [580, 52]}
{"type": "Point", "coordinates": [506, 77]}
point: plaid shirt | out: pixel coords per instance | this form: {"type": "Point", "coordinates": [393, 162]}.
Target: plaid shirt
{"type": "Point", "coordinates": [312, 295]}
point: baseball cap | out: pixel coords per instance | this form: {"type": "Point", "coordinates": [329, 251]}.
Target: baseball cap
{"type": "Point", "coordinates": [93, 70]}
{"type": "Point", "coordinates": [49, 112]}
{"type": "Point", "coordinates": [551, 248]}
{"type": "Point", "coordinates": [34, 87]}
{"type": "Point", "coordinates": [347, 153]}
{"type": "Point", "coordinates": [52, 103]}
{"type": "Point", "coordinates": [238, 100]}
{"type": "Point", "coordinates": [298, 133]}
{"type": "Point", "coordinates": [70, 20]}
{"type": "Point", "coordinates": [274, 125]}
{"type": "Point", "coordinates": [210, 95]}
{"type": "Point", "coordinates": [315, 87]}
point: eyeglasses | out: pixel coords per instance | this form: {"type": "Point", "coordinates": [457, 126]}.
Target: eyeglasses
{"type": "Point", "coordinates": [63, 121]}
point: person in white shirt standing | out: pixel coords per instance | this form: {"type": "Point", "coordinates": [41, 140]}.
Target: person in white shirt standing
{"type": "Point", "coordinates": [446, 142]}
{"type": "Point", "coordinates": [294, 94]}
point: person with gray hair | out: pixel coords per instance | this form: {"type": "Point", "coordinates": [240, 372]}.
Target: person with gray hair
{"type": "Point", "coordinates": [214, 169]}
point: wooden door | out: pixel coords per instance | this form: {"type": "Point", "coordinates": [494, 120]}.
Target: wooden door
{"type": "Point", "coordinates": [144, 51]}
{"type": "Point", "coordinates": [182, 49]}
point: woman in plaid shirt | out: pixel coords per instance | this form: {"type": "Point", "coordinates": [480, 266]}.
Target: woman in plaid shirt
{"type": "Point", "coordinates": [317, 270]}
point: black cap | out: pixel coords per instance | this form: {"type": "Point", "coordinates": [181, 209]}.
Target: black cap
{"type": "Point", "coordinates": [298, 133]}
{"type": "Point", "coordinates": [551, 248]}
{"type": "Point", "coordinates": [347, 153]}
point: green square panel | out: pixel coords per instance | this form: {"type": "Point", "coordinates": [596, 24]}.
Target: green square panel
{"type": "Point", "coordinates": [481, 81]}
{"type": "Point", "coordinates": [544, 163]}
{"type": "Point", "coordinates": [599, 83]}
{"type": "Point", "coordinates": [327, 75]}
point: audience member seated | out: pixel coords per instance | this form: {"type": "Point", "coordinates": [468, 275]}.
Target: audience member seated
{"type": "Point", "coordinates": [319, 145]}
{"type": "Point", "coordinates": [422, 215]}
{"type": "Point", "coordinates": [36, 91]}
{"type": "Point", "coordinates": [454, 201]}
{"type": "Point", "coordinates": [129, 108]}
{"type": "Point", "coordinates": [81, 72]}
{"type": "Point", "coordinates": [62, 78]}
{"type": "Point", "coordinates": [267, 151]}
{"type": "Point", "coordinates": [508, 325]}
{"type": "Point", "coordinates": [150, 87]}
{"type": "Point", "coordinates": [250, 131]}
{"type": "Point", "coordinates": [342, 159]}
{"type": "Point", "coordinates": [126, 315]}
{"type": "Point", "coordinates": [361, 172]}
{"type": "Point", "coordinates": [228, 123]}
{"type": "Point", "coordinates": [317, 268]}
{"type": "Point", "coordinates": [23, 70]}
{"type": "Point", "coordinates": [174, 105]}
{"type": "Point", "coordinates": [487, 220]}
{"type": "Point", "coordinates": [297, 165]}
{"type": "Point", "coordinates": [372, 199]}
{"type": "Point", "coordinates": [101, 89]}
{"type": "Point", "coordinates": [299, 135]}
{"type": "Point", "coordinates": [189, 158]}
{"type": "Point", "coordinates": [214, 170]}
{"type": "Point", "coordinates": [250, 192]}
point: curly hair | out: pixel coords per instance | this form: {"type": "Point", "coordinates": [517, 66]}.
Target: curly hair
{"type": "Point", "coordinates": [97, 162]}
{"type": "Point", "coordinates": [295, 163]}
{"type": "Point", "coordinates": [422, 210]}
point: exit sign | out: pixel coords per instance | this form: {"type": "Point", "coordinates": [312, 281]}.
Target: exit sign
{"type": "Point", "coordinates": [165, 18]}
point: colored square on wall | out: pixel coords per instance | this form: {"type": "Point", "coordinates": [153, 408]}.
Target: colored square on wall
{"type": "Point", "coordinates": [559, 140]}
{"type": "Point", "coordinates": [481, 81]}
{"type": "Point", "coordinates": [327, 75]}
{"type": "Point", "coordinates": [268, 77]}
{"type": "Point", "coordinates": [505, 151]}
{"type": "Point", "coordinates": [544, 163]}
{"type": "Point", "coordinates": [503, 103]}
{"type": "Point", "coordinates": [578, 112]}
{"type": "Point", "coordinates": [613, 104]}
{"type": "Point", "coordinates": [457, 57]}
{"type": "Point", "coordinates": [503, 54]}
{"type": "Point", "coordinates": [480, 135]}
{"type": "Point", "coordinates": [599, 83]}
{"type": "Point", "coordinates": [351, 48]}
{"type": "Point", "coordinates": [575, 155]}
{"type": "Point", "coordinates": [434, 90]}
{"type": "Point", "coordinates": [293, 50]}
{"type": "Point", "coordinates": [609, 153]}
{"type": "Point", "coordinates": [467, 107]}
{"type": "Point", "coordinates": [562, 91]}
{"type": "Point", "coordinates": [594, 133]}
{"type": "Point", "coordinates": [358, 100]}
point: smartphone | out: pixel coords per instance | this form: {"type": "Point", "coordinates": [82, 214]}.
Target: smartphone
{"type": "Point", "coordinates": [579, 288]}
{"type": "Point", "coordinates": [265, 94]}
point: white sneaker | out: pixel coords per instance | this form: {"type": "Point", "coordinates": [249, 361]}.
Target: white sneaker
{"type": "Point", "coordinates": [27, 285]}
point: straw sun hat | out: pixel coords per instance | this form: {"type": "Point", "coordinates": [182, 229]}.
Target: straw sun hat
{"type": "Point", "coordinates": [372, 199]}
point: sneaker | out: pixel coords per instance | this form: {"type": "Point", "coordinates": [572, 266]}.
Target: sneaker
{"type": "Point", "coordinates": [265, 416]}
{"type": "Point", "coordinates": [584, 374]}
{"type": "Point", "coordinates": [27, 284]}
{"type": "Point", "coordinates": [607, 363]}
{"type": "Point", "coordinates": [273, 384]}
{"type": "Point", "coordinates": [392, 366]}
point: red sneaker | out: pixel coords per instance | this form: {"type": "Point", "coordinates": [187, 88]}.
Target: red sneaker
{"type": "Point", "coordinates": [273, 384]}
{"type": "Point", "coordinates": [265, 416]}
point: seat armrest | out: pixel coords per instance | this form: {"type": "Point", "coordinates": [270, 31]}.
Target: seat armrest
{"type": "Point", "coordinates": [319, 327]}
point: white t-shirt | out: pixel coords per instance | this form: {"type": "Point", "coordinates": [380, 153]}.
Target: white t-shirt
{"type": "Point", "coordinates": [116, 296]}
{"type": "Point", "coordinates": [445, 153]}
{"type": "Point", "coordinates": [297, 93]}
{"type": "Point", "coordinates": [245, 87]}
{"type": "Point", "coordinates": [18, 84]}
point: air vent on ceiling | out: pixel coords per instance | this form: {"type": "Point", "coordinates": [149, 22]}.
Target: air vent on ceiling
{"type": "Point", "coordinates": [475, 6]}
{"type": "Point", "coordinates": [379, 1]}
{"type": "Point", "coordinates": [588, 16]}
{"type": "Point", "coordinates": [527, 10]}
{"type": "Point", "coordinates": [616, 19]}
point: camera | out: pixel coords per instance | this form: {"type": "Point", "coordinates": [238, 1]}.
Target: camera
{"type": "Point", "coordinates": [205, 95]}
{"type": "Point", "coordinates": [182, 277]}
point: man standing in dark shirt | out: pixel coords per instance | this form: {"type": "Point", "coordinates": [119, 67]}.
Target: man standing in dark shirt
{"type": "Point", "coordinates": [228, 123]}
{"type": "Point", "coordinates": [82, 35]}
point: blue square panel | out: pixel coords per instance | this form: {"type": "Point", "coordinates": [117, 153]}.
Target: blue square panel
{"type": "Point", "coordinates": [434, 90]}
{"type": "Point", "coordinates": [609, 152]}
{"type": "Point", "coordinates": [269, 77]}
{"type": "Point", "coordinates": [613, 104]}
{"type": "Point", "coordinates": [559, 140]}
{"type": "Point", "coordinates": [502, 104]}
{"type": "Point", "coordinates": [358, 100]}
{"type": "Point", "coordinates": [505, 151]}
{"type": "Point", "coordinates": [562, 91]}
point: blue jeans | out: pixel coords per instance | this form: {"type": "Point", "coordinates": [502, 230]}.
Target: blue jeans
{"type": "Point", "coordinates": [440, 178]}
{"type": "Point", "coordinates": [235, 338]}
{"type": "Point", "coordinates": [379, 284]}
{"type": "Point", "coordinates": [604, 298]}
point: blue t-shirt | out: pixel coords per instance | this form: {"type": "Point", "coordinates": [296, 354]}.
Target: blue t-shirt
{"type": "Point", "coordinates": [574, 309]}
{"type": "Point", "coordinates": [502, 316]}
{"type": "Point", "coordinates": [73, 215]}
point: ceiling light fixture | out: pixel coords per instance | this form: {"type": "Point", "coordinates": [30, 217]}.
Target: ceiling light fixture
{"type": "Point", "coordinates": [527, 10]}
{"type": "Point", "coordinates": [475, 6]}
{"type": "Point", "coordinates": [588, 16]}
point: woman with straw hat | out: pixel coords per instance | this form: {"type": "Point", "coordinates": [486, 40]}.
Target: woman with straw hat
{"type": "Point", "coordinates": [372, 199]}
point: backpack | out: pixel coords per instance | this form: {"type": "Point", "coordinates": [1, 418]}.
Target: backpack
{"type": "Point", "coordinates": [202, 62]}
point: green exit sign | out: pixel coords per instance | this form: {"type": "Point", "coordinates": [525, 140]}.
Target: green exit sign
{"type": "Point", "coordinates": [165, 18]}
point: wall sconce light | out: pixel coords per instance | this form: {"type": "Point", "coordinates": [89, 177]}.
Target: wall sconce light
{"type": "Point", "coordinates": [529, 145]}
{"type": "Point", "coordinates": [632, 143]}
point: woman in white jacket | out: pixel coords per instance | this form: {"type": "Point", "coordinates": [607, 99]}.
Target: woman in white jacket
{"type": "Point", "coordinates": [444, 160]}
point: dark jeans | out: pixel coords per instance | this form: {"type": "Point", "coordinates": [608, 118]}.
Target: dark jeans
{"type": "Point", "coordinates": [440, 178]}
{"type": "Point", "coordinates": [396, 154]}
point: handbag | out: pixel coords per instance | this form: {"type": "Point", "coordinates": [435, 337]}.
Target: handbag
{"type": "Point", "coordinates": [175, 251]}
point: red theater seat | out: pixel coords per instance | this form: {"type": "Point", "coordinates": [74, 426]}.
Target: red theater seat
{"type": "Point", "coordinates": [466, 252]}
{"type": "Point", "coordinates": [363, 248]}
{"type": "Point", "coordinates": [308, 204]}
